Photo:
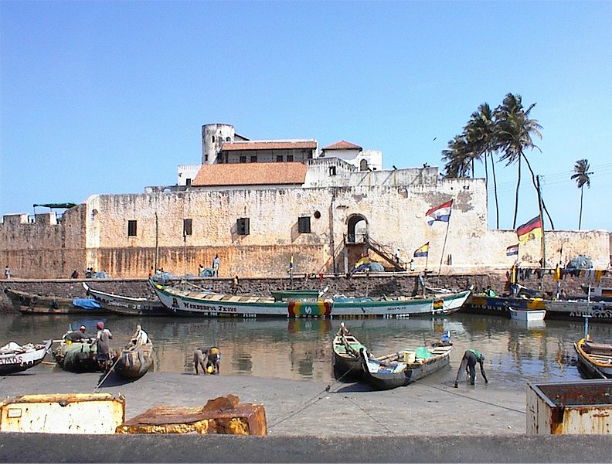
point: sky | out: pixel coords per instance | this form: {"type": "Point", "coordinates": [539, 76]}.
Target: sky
{"type": "Point", "coordinates": [109, 97]}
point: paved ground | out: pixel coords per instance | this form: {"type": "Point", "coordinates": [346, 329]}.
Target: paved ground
{"type": "Point", "coordinates": [310, 422]}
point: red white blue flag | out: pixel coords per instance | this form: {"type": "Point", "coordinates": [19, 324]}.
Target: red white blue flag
{"type": "Point", "coordinates": [512, 250]}
{"type": "Point", "coordinates": [440, 213]}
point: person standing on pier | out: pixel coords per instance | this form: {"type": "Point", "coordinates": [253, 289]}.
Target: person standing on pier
{"type": "Point", "coordinates": [468, 363]}
{"type": "Point", "coordinates": [215, 266]}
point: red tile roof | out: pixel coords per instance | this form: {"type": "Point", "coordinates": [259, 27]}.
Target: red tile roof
{"type": "Point", "coordinates": [269, 145]}
{"type": "Point", "coordinates": [250, 174]}
{"type": "Point", "coordinates": [343, 145]}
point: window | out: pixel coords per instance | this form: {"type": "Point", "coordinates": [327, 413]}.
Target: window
{"type": "Point", "coordinates": [187, 227]}
{"type": "Point", "coordinates": [243, 226]}
{"type": "Point", "coordinates": [363, 165]}
{"type": "Point", "coordinates": [132, 228]}
{"type": "Point", "coordinates": [253, 159]}
{"type": "Point", "coordinates": [289, 157]}
{"type": "Point", "coordinates": [304, 225]}
{"type": "Point", "coordinates": [227, 139]}
{"type": "Point", "coordinates": [213, 139]}
{"type": "Point", "coordinates": [188, 182]}
{"type": "Point", "coordinates": [243, 159]}
{"type": "Point", "coordinates": [332, 170]}
{"type": "Point", "coordinates": [279, 158]}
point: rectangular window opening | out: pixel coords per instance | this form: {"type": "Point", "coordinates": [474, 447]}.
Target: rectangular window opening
{"type": "Point", "coordinates": [304, 225]}
{"type": "Point", "coordinates": [187, 227]}
{"type": "Point", "coordinates": [132, 228]}
{"type": "Point", "coordinates": [243, 226]}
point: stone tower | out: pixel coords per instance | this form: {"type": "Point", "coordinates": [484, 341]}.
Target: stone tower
{"type": "Point", "coordinates": [213, 136]}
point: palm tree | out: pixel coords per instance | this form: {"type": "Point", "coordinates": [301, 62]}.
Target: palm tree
{"type": "Point", "coordinates": [514, 135]}
{"type": "Point", "coordinates": [459, 159]}
{"type": "Point", "coordinates": [581, 176]}
{"type": "Point", "coordinates": [481, 134]}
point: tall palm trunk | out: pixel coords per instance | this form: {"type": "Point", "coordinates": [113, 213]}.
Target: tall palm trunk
{"type": "Point", "coordinates": [580, 216]}
{"type": "Point", "coordinates": [495, 189]}
{"type": "Point", "coordinates": [516, 196]}
{"type": "Point", "coordinates": [535, 185]}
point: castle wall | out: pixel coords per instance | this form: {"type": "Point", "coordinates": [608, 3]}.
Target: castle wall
{"type": "Point", "coordinates": [45, 247]}
{"type": "Point", "coordinates": [96, 234]}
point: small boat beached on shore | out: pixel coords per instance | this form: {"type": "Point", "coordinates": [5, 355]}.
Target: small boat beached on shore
{"type": "Point", "coordinates": [404, 367]}
{"type": "Point", "coordinates": [346, 360]}
{"type": "Point", "coordinates": [76, 356]}
{"type": "Point", "coordinates": [134, 361]}
{"type": "Point", "coordinates": [18, 358]}
{"type": "Point", "coordinates": [595, 358]}
{"type": "Point", "coordinates": [32, 303]}
{"type": "Point", "coordinates": [196, 303]}
{"type": "Point", "coordinates": [126, 305]}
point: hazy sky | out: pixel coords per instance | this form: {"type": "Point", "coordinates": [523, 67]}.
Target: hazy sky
{"type": "Point", "coordinates": [109, 97]}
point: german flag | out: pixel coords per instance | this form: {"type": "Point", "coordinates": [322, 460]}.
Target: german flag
{"type": "Point", "coordinates": [530, 230]}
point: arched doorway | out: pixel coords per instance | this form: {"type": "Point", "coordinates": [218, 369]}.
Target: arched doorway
{"type": "Point", "coordinates": [363, 165]}
{"type": "Point", "coordinates": [357, 229]}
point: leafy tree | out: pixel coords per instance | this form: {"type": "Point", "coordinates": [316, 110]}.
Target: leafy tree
{"type": "Point", "coordinates": [582, 178]}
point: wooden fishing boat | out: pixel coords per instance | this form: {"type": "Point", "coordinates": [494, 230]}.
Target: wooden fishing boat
{"type": "Point", "coordinates": [76, 356]}
{"type": "Point", "coordinates": [346, 360]}
{"type": "Point", "coordinates": [32, 303]}
{"type": "Point", "coordinates": [527, 315]}
{"type": "Point", "coordinates": [134, 361]}
{"type": "Point", "coordinates": [500, 305]}
{"type": "Point", "coordinates": [599, 311]}
{"type": "Point", "coordinates": [126, 305]}
{"type": "Point", "coordinates": [595, 358]}
{"type": "Point", "coordinates": [18, 358]}
{"type": "Point", "coordinates": [404, 367]}
{"type": "Point", "coordinates": [194, 303]}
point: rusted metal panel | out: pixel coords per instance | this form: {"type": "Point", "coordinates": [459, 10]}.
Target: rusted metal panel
{"type": "Point", "coordinates": [569, 408]}
{"type": "Point", "coordinates": [97, 413]}
{"type": "Point", "coordinates": [223, 415]}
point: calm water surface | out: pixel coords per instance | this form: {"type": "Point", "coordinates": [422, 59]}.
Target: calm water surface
{"type": "Point", "coordinates": [300, 349]}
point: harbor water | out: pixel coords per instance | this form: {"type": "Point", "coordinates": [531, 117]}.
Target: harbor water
{"type": "Point", "coordinates": [300, 349]}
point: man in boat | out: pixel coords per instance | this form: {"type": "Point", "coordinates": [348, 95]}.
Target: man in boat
{"type": "Point", "coordinates": [207, 359]}
{"type": "Point", "coordinates": [78, 335]}
{"type": "Point", "coordinates": [103, 338]}
{"type": "Point", "coordinates": [468, 363]}
{"type": "Point", "coordinates": [139, 338]}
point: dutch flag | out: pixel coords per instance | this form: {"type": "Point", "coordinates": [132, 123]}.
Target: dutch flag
{"type": "Point", "coordinates": [440, 213]}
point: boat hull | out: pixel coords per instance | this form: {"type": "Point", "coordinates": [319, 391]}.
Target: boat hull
{"type": "Point", "coordinates": [19, 362]}
{"type": "Point", "coordinates": [500, 305]}
{"type": "Point", "coordinates": [403, 373]}
{"type": "Point", "coordinates": [595, 366]}
{"type": "Point", "coordinates": [30, 303]}
{"type": "Point", "coordinates": [134, 363]}
{"type": "Point", "coordinates": [346, 362]}
{"type": "Point", "coordinates": [527, 315]}
{"type": "Point", "coordinates": [76, 357]}
{"type": "Point", "coordinates": [214, 305]}
{"type": "Point", "coordinates": [600, 311]}
{"type": "Point", "coordinates": [127, 306]}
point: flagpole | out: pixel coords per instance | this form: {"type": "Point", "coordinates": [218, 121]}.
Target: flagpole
{"type": "Point", "coordinates": [446, 236]}
{"type": "Point", "coordinates": [543, 242]}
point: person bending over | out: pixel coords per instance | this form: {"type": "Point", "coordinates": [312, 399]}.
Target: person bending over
{"type": "Point", "coordinates": [468, 363]}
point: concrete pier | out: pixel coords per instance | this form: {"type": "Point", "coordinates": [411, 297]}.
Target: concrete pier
{"type": "Point", "coordinates": [309, 422]}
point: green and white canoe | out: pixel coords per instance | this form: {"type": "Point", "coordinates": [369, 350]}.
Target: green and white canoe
{"type": "Point", "coordinates": [195, 303]}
